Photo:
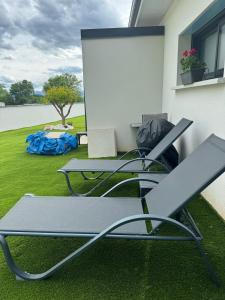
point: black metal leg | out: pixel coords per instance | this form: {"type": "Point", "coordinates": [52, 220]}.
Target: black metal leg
{"type": "Point", "coordinates": [68, 183]}
{"type": "Point", "coordinates": [212, 274]}
{"type": "Point", "coordinates": [78, 138]}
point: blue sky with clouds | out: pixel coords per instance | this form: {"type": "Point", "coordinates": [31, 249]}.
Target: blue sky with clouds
{"type": "Point", "coordinates": [41, 38]}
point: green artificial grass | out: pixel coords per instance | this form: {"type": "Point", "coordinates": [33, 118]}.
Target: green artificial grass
{"type": "Point", "coordinates": [113, 269]}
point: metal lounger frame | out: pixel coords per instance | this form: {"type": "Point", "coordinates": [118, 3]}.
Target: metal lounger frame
{"type": "Point", "coordinates": [172, 136]}
{"type": "Point", "coordinates": [192, 176]}
{"type": "Point", "coordinates": [118, 170]}
{"type": "Point", "coordinates": [192, 235]}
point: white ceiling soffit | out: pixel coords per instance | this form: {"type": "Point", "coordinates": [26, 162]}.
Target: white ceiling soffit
{"type": "Point", "coordinates": [151, 12]}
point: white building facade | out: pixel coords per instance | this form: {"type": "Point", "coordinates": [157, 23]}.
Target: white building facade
{"type": "Point", "coordinates": [156, 86]}
{"type": "Point", "coordinates": [120, 80]}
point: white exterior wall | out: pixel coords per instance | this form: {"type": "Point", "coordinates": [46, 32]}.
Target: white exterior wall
{"type": "Point", "coordinates": [19, 116]}
{"type": "Point", "coordinates": [122, 80]}
{"type": "Point", "coordinates": [204, 105]}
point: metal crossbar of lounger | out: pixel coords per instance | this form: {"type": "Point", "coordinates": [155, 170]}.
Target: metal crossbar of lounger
{"type": "Point", "coordinates": [122, 218]}
{"type": "Point", "coordinates": [138, 165]}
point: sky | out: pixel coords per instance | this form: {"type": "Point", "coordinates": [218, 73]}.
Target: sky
{"type": "Point", "coordinates": [41, 38]}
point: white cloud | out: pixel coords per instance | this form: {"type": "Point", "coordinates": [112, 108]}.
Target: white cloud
{"type": "Point", "coordinates": [37, 36]}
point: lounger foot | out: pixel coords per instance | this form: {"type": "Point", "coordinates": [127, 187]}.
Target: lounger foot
{"type": "Point", "coordinates": [68, 182]}
{"type": "Point", "coordinates": [212, 274]}
{"type": "Point", "coordinates": [18, 278]}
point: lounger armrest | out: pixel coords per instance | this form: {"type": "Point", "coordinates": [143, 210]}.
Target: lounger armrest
{"type": "Point", "coordinates": [143, 160]}
{"type": "Point", "coordinates": [124, 165]}
{"type": "Point", "coordinates": [146, 217]}
{"type": "Point", "coordinates": [127, 181]}
{"type": "Point", "coordinates": [137, 150]}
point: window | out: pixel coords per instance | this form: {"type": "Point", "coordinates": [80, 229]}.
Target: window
{"type": "Point", "coordinates": [210, 42]}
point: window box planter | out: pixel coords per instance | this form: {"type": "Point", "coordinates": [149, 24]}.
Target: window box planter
{"type": "Point", "coordinates": [193, 75]}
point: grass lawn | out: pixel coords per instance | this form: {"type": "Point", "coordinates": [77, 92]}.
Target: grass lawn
{"type": "Point", "coordinates": [113, 269]}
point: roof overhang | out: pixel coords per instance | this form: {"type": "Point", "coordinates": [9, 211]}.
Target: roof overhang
{"type": "Point", "coordinates": [148, 12]}
{"type": "Point", "coordinates": [104, 33]}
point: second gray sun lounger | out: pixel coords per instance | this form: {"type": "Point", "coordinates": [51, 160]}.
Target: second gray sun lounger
{"type": "Point", "coordinates": [96, 218]}
{"type": "Point", "coordinates": [138, 165]}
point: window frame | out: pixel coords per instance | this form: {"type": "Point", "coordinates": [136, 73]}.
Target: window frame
{"type": "Point", "coordinates": [214, 25]}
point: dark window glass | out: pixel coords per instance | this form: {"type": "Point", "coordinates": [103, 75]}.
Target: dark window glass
{"type": "Point", "coordinates": [208, 51]}
{"type": "Point", "coordinates": [210, 43]}
{"type": "Point", "coordinates": [221, 51]}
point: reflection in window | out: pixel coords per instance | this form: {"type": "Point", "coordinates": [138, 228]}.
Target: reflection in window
{"type": "Point", "coordinates": [221, 53]}
{"type": "Point", "coordinates": [209, 51]}
{"type": "Point", "coordinates": [210, 42]}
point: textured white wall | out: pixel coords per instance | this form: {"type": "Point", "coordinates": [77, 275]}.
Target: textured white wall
{"type": "Point", "coordinates": [204, 105]}
{"type": "Point", "coordinates": [122, 80]}
{"type": "Point", "coordinates": [13, 117]}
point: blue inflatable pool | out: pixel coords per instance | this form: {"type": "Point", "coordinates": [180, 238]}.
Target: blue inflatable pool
{"type": "Point", "coordinates": [39, 143]}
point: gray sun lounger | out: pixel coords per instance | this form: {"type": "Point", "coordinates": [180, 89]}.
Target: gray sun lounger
{"type": "Point", "coordinates": [96, 218]}
{"type": "Point", "coordinates": [138, 165]}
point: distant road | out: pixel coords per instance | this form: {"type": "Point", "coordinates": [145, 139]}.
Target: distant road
{"type": "Point", "coordinates": [13, 117]}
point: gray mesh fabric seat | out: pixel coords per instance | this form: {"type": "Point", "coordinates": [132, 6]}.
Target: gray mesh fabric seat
{"type": "Point", "coordinates": [68, 215]}
{"type": "Point", "coordinates": [122, 218]}
{"type": "Point", "coordinates": [138, 165]}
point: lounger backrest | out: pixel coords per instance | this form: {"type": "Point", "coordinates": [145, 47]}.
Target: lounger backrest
{"type": "Point", "coordinates": [188, 179]}
{"type": "Point", "coordinates": [168, 140]}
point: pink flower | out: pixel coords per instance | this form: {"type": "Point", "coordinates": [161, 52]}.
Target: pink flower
{"type": "Point", "coordinates": [193, 51]}
{"type": "Point", "coordinates": [185, 53]}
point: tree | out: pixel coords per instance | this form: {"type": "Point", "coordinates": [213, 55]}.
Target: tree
{"type": "Point", "coordinates": [38, 99]}
{"type": "Point", "coordinates": [64, 80]}
{"type": "Point", "coordinates": [22, 92]}
{"type": "Point", "coordinates": [60, 97]}
{"type": "Point", "coordinates": [62, 90]}
{"type": "Point", "coordinates": [4, 95]}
